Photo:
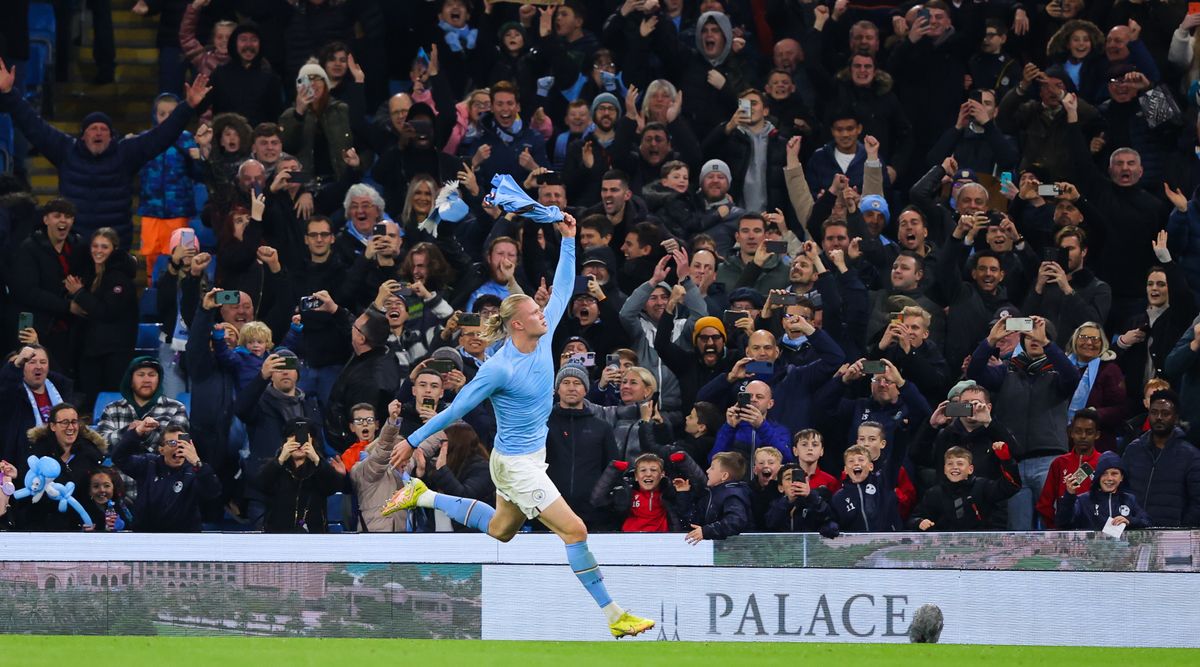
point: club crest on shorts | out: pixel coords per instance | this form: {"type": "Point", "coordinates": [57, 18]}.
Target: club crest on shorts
{"type": "Point", "coordinates": [538, 495]}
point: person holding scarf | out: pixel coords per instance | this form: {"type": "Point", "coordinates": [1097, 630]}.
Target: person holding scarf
{"type": "Point", "coordinates": [28, 390]}
{"type": "Point", "coordinates": [1101, 382]}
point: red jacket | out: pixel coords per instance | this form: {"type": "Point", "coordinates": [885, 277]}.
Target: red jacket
{"type": "Point", "coordinates": [822, 478]}
{"type": "Point", "coordinates": [647, 513]}
{"type": "Point", "coordinates": [1054, 488]}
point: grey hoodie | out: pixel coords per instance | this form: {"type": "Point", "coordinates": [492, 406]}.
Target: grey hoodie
{"type": "Point", "coordinates": [722, 22]}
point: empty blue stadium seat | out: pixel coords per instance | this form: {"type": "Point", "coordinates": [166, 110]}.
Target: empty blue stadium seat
{"type": "Point", "coordinates": [42, 26]}
{"type": "Point", "coordinates": [102, 402]}
{"type": "Point", "coordinates": [35, 71]}
{"type": "Point", "coordinates": [185, 398]}
{"type": "Point", "coordinates": [335, 510]}
{"type": "Point", "coordinates": [160, 265]}
{"type": "Point", "coordinates": [147, 340]}
{"type": "Point", "coordinates": [148, 305]}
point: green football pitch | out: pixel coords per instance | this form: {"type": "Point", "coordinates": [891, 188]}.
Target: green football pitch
{"type": "Point", "coordinates": [232, 651]}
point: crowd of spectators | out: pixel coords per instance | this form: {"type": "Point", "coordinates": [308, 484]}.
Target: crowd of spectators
{"type": "Point", "coordinates": [843, 267]}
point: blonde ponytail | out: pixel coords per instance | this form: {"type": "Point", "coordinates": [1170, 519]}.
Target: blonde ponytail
{"type": "Point", "coordinates": [495, 327]}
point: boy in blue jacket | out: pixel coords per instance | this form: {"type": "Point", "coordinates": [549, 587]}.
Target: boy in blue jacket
{"type": "Point", "coordinates": [723, 510]}
{"type": "Point", "coordinates": [866, 503]}
{"type": "Point", "coordinates": [1106, 500]}
{"type": "Point", "coordinates": [168, 198]}
{"type": "Point", "coordinates": [245, 361]}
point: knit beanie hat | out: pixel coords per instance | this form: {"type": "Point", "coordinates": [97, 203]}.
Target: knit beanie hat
{"type": "Point", "coordinates": [572, 371]}
{"type": "Point", "coordinates": [313, 69]}
{"type": "Point", "coordinates": [705, 322]}
{"type": "Point", "coordinates": [717, 166]}
{"type": "Point", "coordinates": [95, 117]}
{"type": "Point", "coordinates": [605, 97]}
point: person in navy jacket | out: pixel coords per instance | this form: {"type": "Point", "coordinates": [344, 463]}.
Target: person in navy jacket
{"type": "Point", "coordinates": [1163, 469]}
{"type": "Point", "coordinates": [1107, 499]}
{"type": "Point", "coordinates": [866, 503]}
{"type": "Point", "coordinates": [723, 509]}
{"type": "Point", "coordinates": [96, 169]}
{"type": "Point", "coordinates": [171, 484]}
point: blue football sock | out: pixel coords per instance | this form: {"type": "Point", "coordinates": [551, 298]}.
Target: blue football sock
{"type": "Point", "coordinates": [467, 511]}
{"type": "Point", "coordinates": [584, 564]}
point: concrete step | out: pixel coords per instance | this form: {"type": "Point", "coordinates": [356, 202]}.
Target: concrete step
{"type": "Point", "coordinates": [141, 35]}
{"type": "Point", "coordinates": [125, 54]}
{"type": "Point", "coordinates": [44, 183]}
{"type": "Point", "coordinates": [134, 89]}
{"type": "Point", "coordinates": [85, 70]}
{"type": "Point", "coordinates": [116, 107]}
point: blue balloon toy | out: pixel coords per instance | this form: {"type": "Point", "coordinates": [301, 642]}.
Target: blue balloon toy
{"type": "Point", "coordinates": [507, 196]}
{"type": "Point", "coordinates": [40, 480]}
{"type": "Point", "coordinates": [449, 207]}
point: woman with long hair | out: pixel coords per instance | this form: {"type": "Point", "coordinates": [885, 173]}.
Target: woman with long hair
{"type": "Point", "coordinates": [317, 129]}
{"type": "Point", "coordinates": [103, 295]}
{"type": "Point", "coordinates": [1079, 47]}
{"type": "Point", "coordinates": [460, 467]}
{"type": "Point", "coordinates": [418, 202]}
{"type": "Point", "coordinates": [1148, 337]}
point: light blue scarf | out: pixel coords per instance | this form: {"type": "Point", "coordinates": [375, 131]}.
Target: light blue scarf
{"type": "Point", "coordinates": [51, 391]}
{"type": "Point", "coordinates": [459, 39]}
{"type": "Point", "coordinates": [1084, 388]}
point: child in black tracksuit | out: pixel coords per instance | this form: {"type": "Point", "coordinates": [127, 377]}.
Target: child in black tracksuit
{"type": "Point", "coordinates": [723, 509]}
{"type": "Point", "coordinates": [866, 503]}
{"type": "Point", "coordinates": [963, 501]}
{"type": "Point", "coordinates": [800, 507]}
{"type": "Point", "coordinates": [1106, 500]}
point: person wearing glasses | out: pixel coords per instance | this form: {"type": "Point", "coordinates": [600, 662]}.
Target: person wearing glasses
{"type": "Point", "coordinates": [1101, 382]}
{"type": "Point", "coordinates": [321, 268]}
{"type": "Point", "coordinates": [171, 483]}
{"type": "Point", "coordinates": [78, 449]}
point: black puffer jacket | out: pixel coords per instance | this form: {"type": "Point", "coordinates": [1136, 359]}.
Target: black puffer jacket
{"type": "Point", "coordinates": [112, 306]}
{"type": "Point", "coordinates": [578, 447]}
{"type": "Point", "coordinates": [267, 414]}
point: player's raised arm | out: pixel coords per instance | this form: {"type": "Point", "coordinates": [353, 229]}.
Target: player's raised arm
{"type": "Point", "coordinates": [489, 378]}
{"type": "Point", "coordinates": [564, 274]}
